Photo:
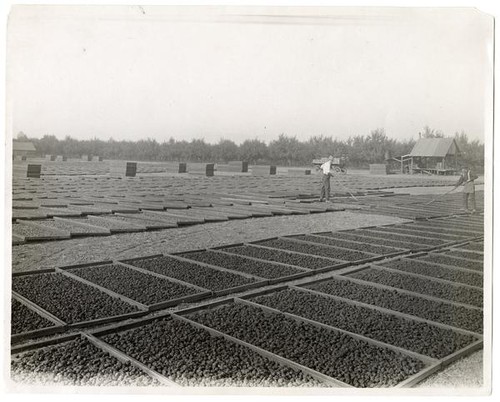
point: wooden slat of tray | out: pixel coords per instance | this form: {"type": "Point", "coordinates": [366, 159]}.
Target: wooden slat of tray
{"type": "Point", "coordinates": [297, 210]}
{"type": "Point", "coordinates": [418, 246]}
{"type": "Point", "coordinates": [420, 376]}
{"type": "Point", "coordinates": [180, 219]}
{"type": "Point", "coordinates": [331, 246]}
{"type": "Point", "coordinates": [231, 213]}
{"type": "Point", "coordinates": [264, 292]}
{"type": "Point", "coordinates": [158, 275]}
{"type": "Point", "coordinates": [296, 267]}
{"type": "Point", "coordinates": [397, 250]}
{"type": "Point", "coordinates": [140, 258]}
{"type": "Point", "coordinates": [36, 333]}
{"type": "Point", "coordinates": [253, 211]}
{"type": "Point", "coordinates": [425, 359]}
{"type": "Point", "coordinates": [333, 267]}
{"type": "Point", "coordinates": [124, 358]}
{"type": "Point", "coordinates": [149, 223]}
{"type": "Point", "coordinates": [242, 199]}
{"type": "Point", "coordinates": [456, 257]}
{"type": "Point", "coordinates": [241, 288]}
{"type": "Point", "coordinates": [37, 309]}
{"type": "Point", "coordinates": [140, 204]}
{"type": "Point", "coordinates": [43, 343]}
{"type": "Point", "coordinates": [438, 264]}
{"type": "Point", "coordinates": [128, 229]}
{"type": "Point", "coordinates": [120, 207]}
{"type": "Point", "coordinates": [181, 253]}
{"type": "Point", "coordinates": [430, 278]}
{"type": "Point", "coordinates": [91, 210]}
{"type": "Point", "coordinates": [221, 248]}
{"type": "Point", "coordinates": [109, 292]}
{"type": "Point", "coordinates": [449, 229]}
{"type": "Point", "coordinates": [17, 239]}
{"type": "Point", "coordinates": [265, 353]}
{"type": "Point", "coordinates": [275, 210]}
{"type": "Point", "coordinates": [224, 269]}
{"type": "Point", "coordinates": [184, 299]}
{"type": "Point", "coordinates": [373, 232]}
{"type": "Point", "coordinates": [206, 305]}
{"type": "Point", "coordinates": [174, 204]}
{"type": "Point", "coordinates": [452, 227]}
{"type": "Point", "coordinates": [463, 352]}
{"type": "Point", "coordinates": [408, 292]}
{"type": "Point", "coordinates": [216, 267]}
{"type": "Point", "coordinates": [386, 311]}
{"type": "Point", "coordinates": [212, 211]}
{"type": "Point", "coordinates": [34, 272]}
{"type": "Point", "coordinates": [207, 215]}
{"type": "Point", "coordinates": [367, 240]}
{"type": "Point", "coordinates": [301, 207]}
{"type": "Point", "coordinates": [333, 260]}
{"type": "Point", "coordinates": [67, 212]}
{"type": "Point", "coordinates": [57, 234]}
{"type": "Point", "coordinates": [292, 277]}
{"type": "Point", "coordinates": [107, 320]}
{"type": "Point", "coordinates": [87, 264]}
{"type": "Point", "coordinates": [422, 233]}
{"type": "Point", "coordinates": [458, 248]}
{"type": "Point", "coordinates": [127, 325]}
{"type": "Point", "coordinates": [100, 229]}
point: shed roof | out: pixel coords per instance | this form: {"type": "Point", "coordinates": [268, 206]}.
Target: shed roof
{"type": "Point", "coordinates": [435, 147]}
{"type": "Point", "coordinates": [23, 146]}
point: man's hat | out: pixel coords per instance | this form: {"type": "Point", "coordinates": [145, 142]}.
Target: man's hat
{"type": "Point", "coordinates": [330, 157]}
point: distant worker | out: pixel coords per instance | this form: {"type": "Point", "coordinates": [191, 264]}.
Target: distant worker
{"type": "Point", "coordinates": [326, 169]}
{"type": "Point", "coordinates": [467, 180]}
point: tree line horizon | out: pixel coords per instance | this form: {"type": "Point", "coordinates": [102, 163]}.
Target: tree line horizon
{"type": "Point", "coordinates": [359, 150]}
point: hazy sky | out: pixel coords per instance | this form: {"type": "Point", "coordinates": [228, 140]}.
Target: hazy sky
{"type": "Point", "coordinates": [132, 73]}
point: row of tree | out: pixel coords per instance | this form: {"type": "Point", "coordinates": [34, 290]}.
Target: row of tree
{"type": "Point", "coordinates": [359, 150]}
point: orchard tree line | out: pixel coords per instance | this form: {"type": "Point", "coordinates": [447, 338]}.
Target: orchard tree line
{"type": "Point", "coordinates": [359, 150]}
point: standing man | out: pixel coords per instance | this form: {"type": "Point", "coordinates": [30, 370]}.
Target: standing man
{"type": "Point", "coordinates": [325, 183]}
{"type": "Point", "coordinates": [467, 180]}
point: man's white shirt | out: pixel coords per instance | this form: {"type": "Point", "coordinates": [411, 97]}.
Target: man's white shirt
{"type": "Point", "coordinates": [326, 167]}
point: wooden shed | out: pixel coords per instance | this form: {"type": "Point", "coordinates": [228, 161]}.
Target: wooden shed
{"type": "Point", "coordinates": [433, 156]}
{"type": "Point", "coordinates": [23, 149]}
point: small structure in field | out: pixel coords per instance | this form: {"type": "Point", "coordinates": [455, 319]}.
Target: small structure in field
{"type": "Point", "coordinates": [263, 170]}
{"type": "Point", "coordinates": [379, 168]}
{"type": "Point", "coordinates": [34, 171]}
{"type": "Point", "coordinates": [21, 150]}
{"type": "Point", "coordinates": [432, 156]}
{"type": "Point", "coordinates": [206, 169]}
{"type": "Point", "coordinates": [123, 169]}
{"type": "Point", "coordinates": [234, 166]}
{"type": "Point", "coordinates": [298, 172]}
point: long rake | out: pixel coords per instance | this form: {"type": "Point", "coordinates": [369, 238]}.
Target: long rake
{"type": "Point", "coordinates": [440, 196]}
{"type": "Point", "coordinates": [346, 189]}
